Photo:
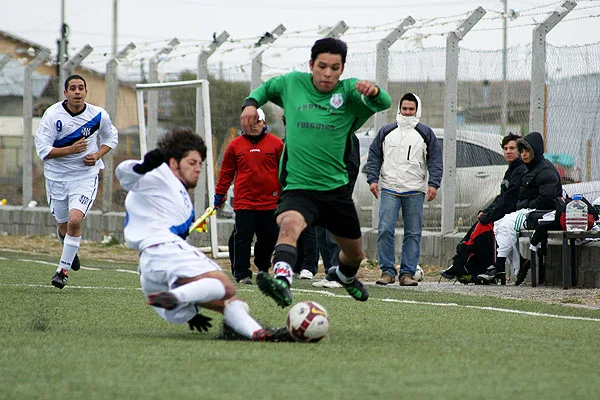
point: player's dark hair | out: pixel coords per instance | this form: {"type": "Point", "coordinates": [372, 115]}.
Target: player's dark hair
{"type": "Point", "coordinates": [72, 77]}
{"type": "Point", "coordinates": [329, 45]}
{"type": "Point", "coordinates": [410, 97]}
{"type": "Point", "coordinates": [178, 142]}
{"type": "Point", "coordinates": [509, 138]}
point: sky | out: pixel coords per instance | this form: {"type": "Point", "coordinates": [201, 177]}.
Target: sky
{"type": "Point", "coordinates": [150, 24]}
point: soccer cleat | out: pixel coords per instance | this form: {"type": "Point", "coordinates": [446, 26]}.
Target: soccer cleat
{"type": "Point", "coordinates": [245, 281]}
{"type": "Point", "coordinates": [276, 288]}
{"type": "Point", "coordinates": [227, 333]}
{"type": "Point", "coordinates": [491, 274]}
{"type": "Point", "coordinates": [525, 267]}
{"type": "Point", "coordinates": [453, 272]}
{"type": "Point", "coordinates": [75, 265]}
{"type": "Point", "coordinates": [272, 335]}
{"type": "Point", "coordinates": [166, 300]}
{"type": "Point", "coordinates": [355, 288]}
{"type": "Point", "coordinates": [60, 279]}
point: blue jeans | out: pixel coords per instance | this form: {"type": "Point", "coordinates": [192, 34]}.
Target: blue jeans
{"type": "Point", "coordinates": [412, 214]}
{"type": "Point", "coordinates": [328, 248]}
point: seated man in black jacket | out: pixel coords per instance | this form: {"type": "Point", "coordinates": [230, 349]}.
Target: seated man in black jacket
{"type": "Point", "coordinates": [540, 186]}
{"type": "Point", "coordinates": [504, 203]}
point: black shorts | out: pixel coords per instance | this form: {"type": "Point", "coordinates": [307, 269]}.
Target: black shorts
{"type": "Point", "coordinates": [333, 209]}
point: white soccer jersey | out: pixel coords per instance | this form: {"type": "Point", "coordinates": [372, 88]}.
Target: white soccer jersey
{"type": "Point", "coordinates": [61, 128]}
{"type": "Point", "coordinates": [159, 207]}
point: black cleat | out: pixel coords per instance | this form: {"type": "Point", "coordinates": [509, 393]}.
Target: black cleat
{"type": "Point", "coordinates": [525, 267]}
{"type": "Point", "coordinates": [356, 289]}
{"type": "Point", "coordinates": [60, 279]}
{"type": "Point", "coordinates": [229, 334]}
{"type": "Point", "coordinates": [75, 265]}
{"type": "Point", "coordinates": [166, 300]}
{"type": "Point", "coordinates": [272, 335]}
{"type": "Point", "coordinates": [491, 274]}
{"type": "Point", "coordinates": [453, 272]}
{"type": "Point", "coordinates": [276, 288]}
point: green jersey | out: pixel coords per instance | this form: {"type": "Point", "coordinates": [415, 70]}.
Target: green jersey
{"type": "Point", "coordinates": [318, 127]}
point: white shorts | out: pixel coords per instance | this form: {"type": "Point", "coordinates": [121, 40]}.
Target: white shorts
{"type": "Point", "coordinates": [66, 196]}
{"type": "Point", "coordinates": [162, 265]}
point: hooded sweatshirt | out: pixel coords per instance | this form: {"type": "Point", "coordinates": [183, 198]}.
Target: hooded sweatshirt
{"type": "Point", "coordinates": [540, 186]}
{"type": "Point", "coordinates": [405, 156]}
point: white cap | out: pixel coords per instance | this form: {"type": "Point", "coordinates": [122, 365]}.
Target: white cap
{"type": "Point", "coordinates": [261, 115]}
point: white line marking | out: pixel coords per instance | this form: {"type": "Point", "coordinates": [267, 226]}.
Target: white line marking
{"type": "Point", "coordinates": [128, 271]}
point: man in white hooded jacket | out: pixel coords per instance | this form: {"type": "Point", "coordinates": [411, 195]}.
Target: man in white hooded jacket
{"type": "Point", "coordinates": [404, 167]}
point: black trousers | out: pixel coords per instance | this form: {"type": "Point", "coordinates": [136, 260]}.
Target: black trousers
{"type": "Point", "coordinates": [308, 256]}
{"type": "Point", "coordinates": [247, 224]}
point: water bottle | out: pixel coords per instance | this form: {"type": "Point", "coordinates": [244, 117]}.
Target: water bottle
{"type": "Point", "coordinates": [576, 214]}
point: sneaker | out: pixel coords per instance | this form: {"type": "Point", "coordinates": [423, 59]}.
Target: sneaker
{"type": "Point", "coordinates": [60, 279]}
{"type": "Point", "coordinates": [306, 274]}
{"type": "Point", "coordinates": [491, 274]}
{"type": "Point", "coordinates": [276, 288]}
{"type": "Point", "coordinates": [272, 335]}
{"type": "Point", "coordinates": [165, 300]}
{"type": "Point", "coordinates": [245, 281]}
{"type": "Point", "coordinates": [385, 279]}
{"type": "Point", "coordinates": [525, 267]}
{"type": "Point", "coordinates": [407, 280]}
{"type": "Point", "coordinates": [327, 284]}
{"type": "Point", "coordinates": [75, 265]}
{"type": "Point", "coordinates": [452, 272]}
{"type": "Point", "coordinates": [355, 288]}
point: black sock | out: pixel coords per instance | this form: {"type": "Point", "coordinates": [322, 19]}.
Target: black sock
{"type": "Point", "coordinates": [286, 253]}
{"type": "Point", "coordinates": [347, 270]}
{"type": "Point", "coordinates": [500, 264]}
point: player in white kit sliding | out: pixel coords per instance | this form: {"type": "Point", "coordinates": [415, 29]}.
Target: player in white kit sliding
{"type": "Point", "coordinates": [68, 144]}
{"type": "Point", "coordinates": [176, 277]}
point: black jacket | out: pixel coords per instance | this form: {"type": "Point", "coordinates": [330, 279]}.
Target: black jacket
{"type": "Point", "coordinates": [540, 186]}
{"type": "Point", "coordinates": [506, 201]}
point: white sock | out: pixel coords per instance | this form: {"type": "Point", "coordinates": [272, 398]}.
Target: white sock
{"type": "Point", "coordinates": [343, 277]}
{"type": "Point", "coordinates": [70, 248]}
{"type": "Point", "coordinates": [237, 317]}
{"type": "Point", "coordinates": [200, 291]}
{"type": "Point", "coordinates": [283, 270]}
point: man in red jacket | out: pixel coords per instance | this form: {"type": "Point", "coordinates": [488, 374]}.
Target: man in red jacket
{"type": "Point", "coordinates": [251, 162]}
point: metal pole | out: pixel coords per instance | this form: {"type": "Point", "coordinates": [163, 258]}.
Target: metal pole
{"type": "Point", "coordinates": [115, 27]}
{"type": "Point", "coordinates": [267, 39]}
{"type": "Point", "coordinates": [381, 79]}
{"type": "Point", "coordinates": [111, 90]}
{"type": "Point", "coordinates": [42, 57]}
{"type": "Point", "coordinates": [338, 30]}
{"type": "Point", "coordinates": [450, 115]}
{"type": "Point", "coordinates": [4, 60]}
{"type": "Point", "coordinates": [504, 111]}
{"type": "Point", "coordinates": [62, 44]}
{"type": "Point", "coordinates": [538, 66]}
{"type": "Point", "coordinates": [200, 192]}
{"type": "Point", "coordinates": [153, 95]}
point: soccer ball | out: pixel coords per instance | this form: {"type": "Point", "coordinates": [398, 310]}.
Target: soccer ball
{"type": "Point", "coordinates": [307, 321]}
{"type": "Point", "coordinates": [419, 274]}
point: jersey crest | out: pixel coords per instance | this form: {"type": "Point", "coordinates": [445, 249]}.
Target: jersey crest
{"type": "Point", "coordinates": [336, 100]}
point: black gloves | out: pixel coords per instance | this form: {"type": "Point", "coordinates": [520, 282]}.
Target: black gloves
{"type": "Point", "coordinates": [200, 322]}
{"type": "Point", "coordinates": [152, 159]}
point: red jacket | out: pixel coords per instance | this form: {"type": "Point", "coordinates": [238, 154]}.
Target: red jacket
{"type": "Point", "coordinates": [254, 171]}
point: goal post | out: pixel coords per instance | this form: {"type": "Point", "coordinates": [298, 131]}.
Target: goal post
{"type": "Point", "coordinates": [203, 124]}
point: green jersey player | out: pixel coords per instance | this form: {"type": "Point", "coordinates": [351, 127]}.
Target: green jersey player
{"type": "Point", "coordinates": [321, 113]}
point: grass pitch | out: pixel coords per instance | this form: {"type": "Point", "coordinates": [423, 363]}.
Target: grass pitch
{"type": "Point", "coordinates": [97, 339]}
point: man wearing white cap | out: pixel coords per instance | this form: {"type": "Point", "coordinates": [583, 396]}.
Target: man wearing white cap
{"type": "Point", "coordinates": [251, 162]}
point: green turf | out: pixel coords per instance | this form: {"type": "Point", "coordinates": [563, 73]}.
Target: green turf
{"type": "Point", "coordinates": [96, 339]}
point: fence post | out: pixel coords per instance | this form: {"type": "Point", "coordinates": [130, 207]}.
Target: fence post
{"type": "Point", "coordinates": [40, 58]}
{"type": "Point", "coordinates": [4, 60]}
{"type": "Point", "coordinates": [111, 90]}
{"type": "Point", "coordinates": [537, 99]}
{"type": "Point", "coordinates": [337, 31]}
{"type": "Point", "coordinates": [153, 95]}
{"type": "Point", "coordinates": [68, 67]}
{"type": "Point", "coordinates": [266, 39]}
{"type": "Point", "coordinates": [200, 192]}
{"type": "Point", "coordinates": [450, 114]}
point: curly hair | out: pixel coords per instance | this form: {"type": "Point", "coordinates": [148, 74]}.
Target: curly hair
{"type": "Point", "coordinates": [178, 142]}
{"type": "Point", "coordinates": [329, 45]}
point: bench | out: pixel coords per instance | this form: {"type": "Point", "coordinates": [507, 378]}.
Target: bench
{"type": "Point", "coordinates": [568, 259]}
